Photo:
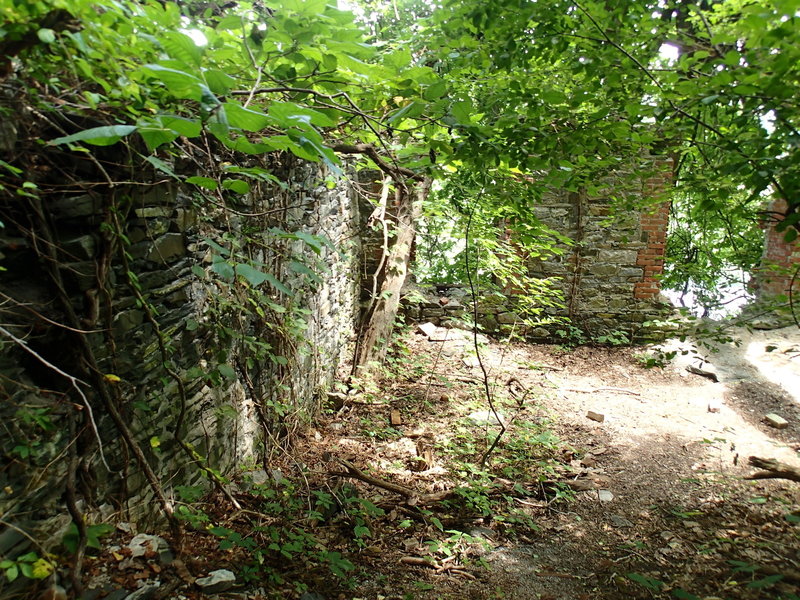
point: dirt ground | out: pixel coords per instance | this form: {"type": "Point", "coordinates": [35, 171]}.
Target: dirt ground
{"type": "Point", "coordinates": [660, 508]}
{"type": "Point", "coordinates": [647, 499]}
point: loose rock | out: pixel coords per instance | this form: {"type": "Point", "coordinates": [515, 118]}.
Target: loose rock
{"type": "Point", "coordinates": [144, 543]}
{"type": "Point", "coordinates": [604, 496]}
{"type": "Point", "coordinates": [619, 521]}
{"type": "Point", "coordinates": [216, 582]}
{"type": "Point", "coordinates": [144, 592]}
{"type": "Point", "coordinates": [776, 421]}
{"type": "Point", "coordinates": [595, 416]}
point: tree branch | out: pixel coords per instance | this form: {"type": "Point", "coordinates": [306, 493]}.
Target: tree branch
{"type": "Point", "coordinates": [369, 150]}
{"type": "Point", "coordinates": [772, 469]}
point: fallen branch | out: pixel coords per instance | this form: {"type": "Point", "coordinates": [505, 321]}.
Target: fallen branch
{"type": "Point", "coordinates": [772, 469]}
{"type": "Point", "coordinates": [356, 473]}
{"type": "Point", "coordinates": [413, 498]}
{"type": "Point", "coordinates": [601, 389]}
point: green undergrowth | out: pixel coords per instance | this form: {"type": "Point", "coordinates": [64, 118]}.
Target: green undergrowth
{"type": "Point", "coordinates": [303, 528]}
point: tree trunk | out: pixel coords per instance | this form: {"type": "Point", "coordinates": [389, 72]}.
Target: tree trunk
{"type": "Point", "coordinates": [378, 319]}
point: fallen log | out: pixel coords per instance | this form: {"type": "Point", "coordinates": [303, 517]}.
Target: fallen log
{"type": "Point", "coordinates": [772, 469]}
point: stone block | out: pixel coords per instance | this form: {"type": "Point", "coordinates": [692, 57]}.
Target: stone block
{"type": "Point", "coordinates": [79, 248]}
{"type": "Point", "coordinates": [154, 279]}
{"type": "Point", "coordinates": [595, 416]}
{"type": "Point", "coordinates": [126, 321]}
{"type": "Point", "coordinates": [604, 270]}
{"type": "Point", "coordinates": [185, 218]}
{"type": "Point", "coordinates": [153, 227]}
{"type": "Point", "coordinates": [507, 318]}
{"type": "Point", "coordinates": [776, 421]}
{"type": "Point", "coordinates": [74, 207]}
{"type": "Point", "coordinates": [136, 234]}
{"type": "Point", "coordinates": [164, 194]}
{"type": "Point", "coordinates": [631, 272]}
{"type": "Point", "coordinates": [148, 212]}
{"type": "Point", "coordinates": [168, 248]}
{"type": "Point", "coordinates": [82, 274]}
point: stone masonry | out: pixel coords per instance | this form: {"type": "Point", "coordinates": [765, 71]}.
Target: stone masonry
{"type": "Point", "coordinates": [779, 260]}
{"type": "Point", "coordinates": [608, 277]}
{"type": "Point", "coordinates": [168, 228]}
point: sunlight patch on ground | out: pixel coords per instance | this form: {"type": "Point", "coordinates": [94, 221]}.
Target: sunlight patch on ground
{"type": "Point", "coordinates": [778, 362]}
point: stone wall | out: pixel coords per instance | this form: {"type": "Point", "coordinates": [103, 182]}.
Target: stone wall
{"type": "Point", "coordinates": [779, 260]}
{"type": "Point", "coordinates": [304, 336]}
{"type": "Point", "coordinates": [608, 277]}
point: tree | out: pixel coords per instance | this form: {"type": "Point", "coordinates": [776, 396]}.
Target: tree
{"type": "Point", "coordinates": [570, 91]}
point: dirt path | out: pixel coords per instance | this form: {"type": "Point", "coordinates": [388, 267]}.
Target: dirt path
{"type": "Point", "coordinates": [672, 466]}
{"type": "Point", "coordinates": [661, 509]}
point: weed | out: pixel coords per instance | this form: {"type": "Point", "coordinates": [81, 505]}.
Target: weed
{"type": "Point", "coordinates": [29, 565]}
{"type": "Point", "coordinates": [613, 338]}
{"type": "Point", "coordinates": [571, 336]}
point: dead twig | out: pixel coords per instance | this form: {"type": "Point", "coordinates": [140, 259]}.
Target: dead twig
{"type": "Point", "coordinates": [419, 561]}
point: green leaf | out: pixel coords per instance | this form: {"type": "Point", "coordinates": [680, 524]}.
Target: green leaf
{"type": "Point", "coordinates": [179, 83]}
{"type": "Point", "coordinates": [683, 595]}
{"type": "Point", "coordinates": [156, 136]}
{"type": "Point", "coordinates": [253, 276]}
{"type": "Point", "coordinates": [291, 114]}
{"type": "Point", "coordinates": [553, 96]}
{"type": "Point", "coordinates": [409, 111]}
{"type": "Point", "coordinates": [97, 136]}
{"type": "Point", "coordinates": [302, 269]}
{"type": "Point", "coordinates": [48, 36]}
{"type": "Point", "coordinates": [186, 127]}
{"type": "Point", "coordinates": [215, 246]}
{"type": "Point", "coordinates": [181, 46]}
{"type": "Point", "coordinates": [768, 581]}
{"type": "Point", "coordinates": [227, 371]}
{"type": "Point", "coordinates": [12, 573]}
{"type": "Point", "coordinates": [223, 268]}
{"type": "Point", "coordinates": [244, 118]}
{"type": "Point", "coordinates": [161, 166]}
{"type": "Point", "coordinates": [654, 585]}
{"type": "Point", "coordinates": [435, 91]}
{"type": "Point", "coordinates": [203, 182]}
{"type": "Point", "coordinates": [274, 282]}
{"type": "Point", "coordinates": [219, 82]}
{"type": "Point", "coordinates": [462, 112]}
{"type": "Point", "coordinates": [12, 169]}
{"type": "Point", "coordinates": [230, 22]}
{"type": "Point", "coordinates": [315, 242]}
{"type": "Point", "coordinates": [236, 185]}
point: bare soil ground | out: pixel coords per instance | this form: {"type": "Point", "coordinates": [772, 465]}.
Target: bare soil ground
{"type": "Point", "coordinates": [649, 502]}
